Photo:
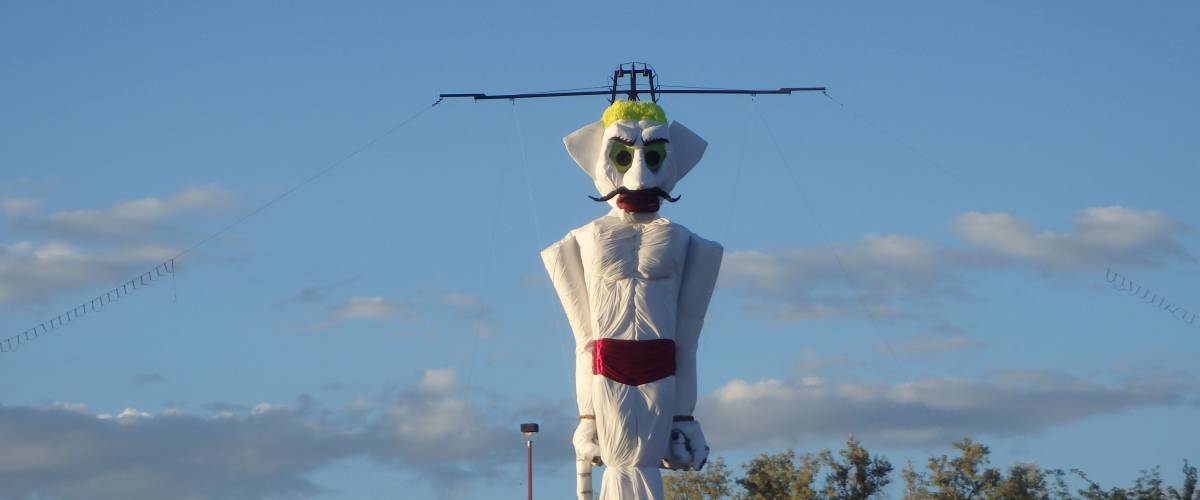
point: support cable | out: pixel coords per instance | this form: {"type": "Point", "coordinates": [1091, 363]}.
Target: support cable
{"type": "Point", "coordinates": [568, 352]}
{"type": "Point", "coordinates": [979, 192]}
{"type": "Point", "coordinates": [731, 214]}
{"type": "Point", "coordinates": [882, 131]}
{"type": "Point", "coordinates": [857, 290]}
{"type": "Point", "coordinates": [485, 286]}
{"type": "Point", "coordinates": [167, 267]}
{"type": "Point", "coordinates": [805, 201]}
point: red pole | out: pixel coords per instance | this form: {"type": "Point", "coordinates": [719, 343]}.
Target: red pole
{"type": "Point", "coordinates": [529, 468]}
{"type": "Point", "coordinates": [529, 429]}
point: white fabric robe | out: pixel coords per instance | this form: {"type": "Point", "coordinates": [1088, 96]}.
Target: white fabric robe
{"type": "Point", "coordinates": [621, 279]}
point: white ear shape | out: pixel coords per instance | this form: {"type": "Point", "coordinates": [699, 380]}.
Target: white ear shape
{"type": "Point", "coordinates": [686, 149]}
{"type": "Point", "coordinates": [584, 146]}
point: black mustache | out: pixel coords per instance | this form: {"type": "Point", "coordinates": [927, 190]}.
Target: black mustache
{"type": "Point", "coordinates": [650, 191]}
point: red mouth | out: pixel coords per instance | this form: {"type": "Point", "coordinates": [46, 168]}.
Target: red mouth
{"type": "Point", "coordinates": [638, 202]}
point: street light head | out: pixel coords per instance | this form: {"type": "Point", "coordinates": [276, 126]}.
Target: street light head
{"type": "Point", "coordinates": [529, 430]}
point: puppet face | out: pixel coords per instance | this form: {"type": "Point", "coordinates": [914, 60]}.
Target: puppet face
{"type": "Point", "coordinates": [635, 151]}
{"type": "Point", "coordinates": [636, 156]}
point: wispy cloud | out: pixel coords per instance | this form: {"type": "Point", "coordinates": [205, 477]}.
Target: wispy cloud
{"type": "Point", "coordinates": [870, 279]}
{"type": "Point", "coordinates": [431, 428]}
{"type": "Point", "coordinates": [465, 305]}
{"type": "Point", "coordinates": [74, 454]}
{"type": "Point", "coordinates": [370, 308]}
{"type": "Point", "coordinates": [374, 308]}
{"type": "Point", "coordinates": [92, 248]}
{"type": "Point", "coordinates": [937, 340]}
{"type": "Point", "coordinates": [319, 293]}
{"type": "Point", "coordinates": [141, 219]}
{"type": "Point", "coordinates": [148, 378]}
{"type": "Point", "coordinates": [471, 308]}
{"type": "Point", "coordinates": [454, 306]}
{"type": "Point", "coordinates": [34, 273]}
{"type": "Point", "coordinates": [924, 412]}
{"type": "Point", "coordinates": [892, 276]}
{"type": "Point", "coordinates": [1098, 237]}
{"type": "Point", "coordinates": [20, 207]}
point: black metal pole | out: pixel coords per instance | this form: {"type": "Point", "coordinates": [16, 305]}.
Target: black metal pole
{"type": "Point", "coordinates": [784, 90]}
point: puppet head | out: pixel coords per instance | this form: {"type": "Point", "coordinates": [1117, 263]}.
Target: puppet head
{"type": "Point", "coordinates": [633, 156]}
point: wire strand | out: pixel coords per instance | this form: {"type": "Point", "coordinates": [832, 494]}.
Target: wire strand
{"type": "Point", "coordinates": [857, 289]}
{"type": "Point", "coordinates": [882, 131]}
{"type": "Point", "coordinates": [168, 266]}
{"type": "Point", "coordinates": [310, 179]}
{"type": "Point", "coordinates": [737, 174]}
{"type": "Point", "coordinates": [568, 352]}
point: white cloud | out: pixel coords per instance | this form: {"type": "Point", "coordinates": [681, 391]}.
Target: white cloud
{"type": "Point", "coordinates": [451, 306]}
{"type": "Point", "coordinates": [432, 429]}
{"type": "Point", "coordinates": [34, 273]}
{"type": "Point", "coordinates": [369, 308]}
{"type": "Point", "coordinates": [889, 264]}
{"type": "Point", "coordinates": [939, 340]}
{"type": "Point", "coordinates": [470, 307]}
{"type": "Point", "coordinates": [127, 416]}
{"type": "Point", "coordinates": [136, 219]}
{"type": "Point", "coordinates": [135, 455]}
{"type": "Point", "coordinates": [465, 305]}
{"type": "Point", "coordinates": [1099, 236]}
{"type": "Point", "coordinates": [363, 308]}
{"type": "Point", "coordinates": [869, 280]}
{"type": "Point", "coordinates": [922, 412]}
{"type": "Point", "coordinates": [264, 408]}
{"type": "Point", "coordinates": [893, 276]}
{"type": "Point", "coordinates": [437, 381]}
{"type": "Point", "coordinates": [20, 206]}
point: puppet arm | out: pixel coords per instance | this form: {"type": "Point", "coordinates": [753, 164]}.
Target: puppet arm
{"type": "Point", "coordinates": [689, 449]}
{"type": "Point", "coordinates": [565, 266]}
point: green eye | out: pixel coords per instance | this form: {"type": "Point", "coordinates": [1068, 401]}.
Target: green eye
{"type": "Point", "coordinates": [621, 156]}
{"type": "Point", "coordinates": [656, 153]}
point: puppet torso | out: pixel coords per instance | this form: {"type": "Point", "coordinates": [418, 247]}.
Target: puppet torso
{"type": "Point", "coordinates": [633, 275]}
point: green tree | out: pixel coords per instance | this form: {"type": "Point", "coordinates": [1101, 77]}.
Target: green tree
{"type": "Point", "coordinates": [1028, 482]}
{"type": "Point", "coordinates": [853, 474]}
{"type": "Point", "coordinates": [1188, 491]}
{"type": "Point", "coordinates": [858, 477]}
{"type": "Point", "coordinates": [1148, 486]}
{"type": "Point", "coordinates": [970, 476]}
{"type": "Point", "coordinates": [779, 477]}
{"type": "Point", "coordinates": [712, 483]}
{"type": "Point", "coordinates": [966, 476]}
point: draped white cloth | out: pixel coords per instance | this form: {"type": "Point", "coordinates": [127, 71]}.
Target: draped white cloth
{"type": "Point", "coordinates": [635, 277]}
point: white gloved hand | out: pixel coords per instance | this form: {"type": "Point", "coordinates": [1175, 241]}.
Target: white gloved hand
{"type": "Point", "coordinates": [587, 446]}
{"type": "Point", "coordinates": [689, 450]}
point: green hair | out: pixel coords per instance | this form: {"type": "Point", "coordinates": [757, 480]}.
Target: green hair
{"type": "Point", "coordinates": [633, 110]}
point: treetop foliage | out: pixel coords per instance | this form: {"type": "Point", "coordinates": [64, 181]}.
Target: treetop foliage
{"type": "Point", "coordinates": [854, 474]}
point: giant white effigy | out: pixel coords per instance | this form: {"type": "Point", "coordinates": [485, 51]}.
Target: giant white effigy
{"type": "Point", "coordinates": [635, 287]}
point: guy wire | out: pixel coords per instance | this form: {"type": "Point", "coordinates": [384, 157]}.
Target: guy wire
{"type": "Point", "coordinates": [168, 266]}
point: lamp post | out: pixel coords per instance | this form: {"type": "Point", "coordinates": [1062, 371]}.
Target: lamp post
{"type": "Point", "coordinates": [530, 431]}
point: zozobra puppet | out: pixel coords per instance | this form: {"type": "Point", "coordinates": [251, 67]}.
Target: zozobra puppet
{"type": "Point", "coordinates": [635, 287]}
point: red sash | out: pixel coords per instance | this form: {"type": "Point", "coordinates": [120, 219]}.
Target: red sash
{"type": "Point", "coordinates": [634, 362]}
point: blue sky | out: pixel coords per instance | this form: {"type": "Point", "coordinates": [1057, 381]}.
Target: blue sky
{"type": "Point", "coordinates": [386, 327]}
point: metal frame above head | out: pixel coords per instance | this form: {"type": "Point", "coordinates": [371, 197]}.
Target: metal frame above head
{"type": "Point", "coordinates": [632, 92]}
{"type": "Point", "coordinates": [632, 72]}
